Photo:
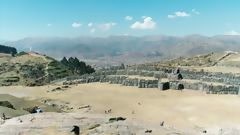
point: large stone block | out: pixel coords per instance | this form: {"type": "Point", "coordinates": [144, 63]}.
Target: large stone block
{"type": "Point", "coordinates": [163, 85]}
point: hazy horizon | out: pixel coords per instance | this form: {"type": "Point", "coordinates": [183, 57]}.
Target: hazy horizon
{"type": "Point", "coordinates": [108, 36]}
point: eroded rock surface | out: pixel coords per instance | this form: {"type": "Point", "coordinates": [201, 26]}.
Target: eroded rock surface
{"type": "Point", "coordinates": [62, 123]}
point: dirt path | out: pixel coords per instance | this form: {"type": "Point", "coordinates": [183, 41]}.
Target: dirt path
{"type": "Point", "coordinates": [228, 54]}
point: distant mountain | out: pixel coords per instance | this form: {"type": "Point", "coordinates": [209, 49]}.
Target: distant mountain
{"type": "Point", "coordinates": [8, 50]}
{"type": "Point", "coordinates": [128, 49]}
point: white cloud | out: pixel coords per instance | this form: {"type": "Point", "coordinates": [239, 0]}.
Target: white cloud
{"type": "Point", "coordinates": [171, 16]}
{"type": "Point", "coordinates": [76, 25]}
{"type": "Point", "coordinates": [107, 26]}
{"type": "Point", "coordinates": [90, 24]}
{"type": "Point", "coordinates": [232, 32]}
{"type": "Point", "coordinates": [147, 23]}
{"type": "Point", "coordinates": [49, 24]}
{"type": "Point", "coordinates": [129, 18]}
{"type": "Point", "coordinates": [179, 14]}
{"type": "Point", "coordinates": [92, 30]}
{"type": "Point", "coordinates": [195, 11]}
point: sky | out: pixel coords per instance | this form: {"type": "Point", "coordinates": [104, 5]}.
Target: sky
{"type": "Point", "coordinates": [72, 18]}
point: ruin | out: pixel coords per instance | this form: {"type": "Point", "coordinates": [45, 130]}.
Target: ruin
{"type": "Point", "coordinates": [164, 79]}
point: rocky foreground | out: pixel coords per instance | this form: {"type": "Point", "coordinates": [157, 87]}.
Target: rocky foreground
{"type": "Point", "coordinates": [89, 124]}
{"type": "Point", "coordinates": [62, 124]}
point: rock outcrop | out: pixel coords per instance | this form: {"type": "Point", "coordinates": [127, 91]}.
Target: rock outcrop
{"type": "Point", "coordinates": [62, 124]}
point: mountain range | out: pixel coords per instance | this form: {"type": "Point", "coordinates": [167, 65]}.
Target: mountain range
{"type": "Point", "coordinates": [127, 49]}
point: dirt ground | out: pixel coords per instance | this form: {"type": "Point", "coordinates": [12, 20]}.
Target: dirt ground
{"type": "Point", "coordinates": [183, 110]}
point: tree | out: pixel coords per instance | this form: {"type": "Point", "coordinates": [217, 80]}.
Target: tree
{"type": "Point", "coordinates": [71, 63]}
{"type": "Point", "coordinates": [76, 66]}
{"type": "Point", "coordinates": [64, 61]}
{"type": "Point", "coordinates": [122, 66]}
{"type": "Point", "coordinates": [76, 63]}
{"type": "Point", "coordinates": [89, 69]}
{"type": "Point", "coordinates": [8, 50]}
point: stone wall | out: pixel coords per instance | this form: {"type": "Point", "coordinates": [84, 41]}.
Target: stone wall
{"type": "Point", "coordinates": [223, 89]}
{"type": "Point", "coordinates": [227, 83]}
{"type": "Point", "coordinates": [114, 79]}
{"type": "Point", "coordinates": [208, 88]}
{"type": "Point", "coordinates": [227, 78]}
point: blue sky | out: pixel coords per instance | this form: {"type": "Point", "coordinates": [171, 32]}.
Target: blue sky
{"type": "Point", "coordinates": [72, 18]}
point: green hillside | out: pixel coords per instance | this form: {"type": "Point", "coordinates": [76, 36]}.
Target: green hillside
{"type": "Point", "coordinates": [30, 69]}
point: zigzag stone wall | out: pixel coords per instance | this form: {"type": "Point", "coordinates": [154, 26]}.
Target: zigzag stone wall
{"type": "Point", "coordinates": [223, 83]}
{"type": "Point", "coordinates": [227, 78]}
{"type": "Point", "coordinates": [123, 80]}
